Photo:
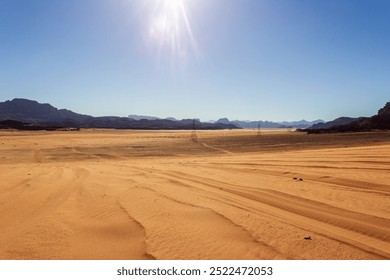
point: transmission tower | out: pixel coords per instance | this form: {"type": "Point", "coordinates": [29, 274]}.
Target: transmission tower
{"type": "Point", "coordinates": [258, 134]}
{"type": "Point", "coordinates": [194, 136]}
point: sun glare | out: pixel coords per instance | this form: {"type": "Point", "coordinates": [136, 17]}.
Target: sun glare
{"type": "Point", "coordinates": [170, 30]}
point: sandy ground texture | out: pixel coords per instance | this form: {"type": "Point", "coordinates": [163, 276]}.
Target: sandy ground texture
{"type": "Point", "coordinates": [111, 194]}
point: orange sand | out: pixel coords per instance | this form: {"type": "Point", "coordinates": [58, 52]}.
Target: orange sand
{"type": "Point", "coordinates": [110, 194]}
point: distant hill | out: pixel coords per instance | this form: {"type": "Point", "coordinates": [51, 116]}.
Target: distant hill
{"type": "Point", "coordinates": [300, 124]}
{"type": "Point", "coordinates": [379, 121]}
{"type": "Point", "coordinates": [255, 124]}
{"type": "Point", "coordinates": [26, 110]}
{"type": "Point", "coordinates": [223, 120]}
{"type": "Point", "coordinates": [269, 124]}
{"type": "Point", "coordinates": [31, 115]}
{"type": "Point", "coordinates": [336, 122]}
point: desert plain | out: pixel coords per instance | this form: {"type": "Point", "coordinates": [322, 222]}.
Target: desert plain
{"type": "Point", "coordinates": [233, 194]}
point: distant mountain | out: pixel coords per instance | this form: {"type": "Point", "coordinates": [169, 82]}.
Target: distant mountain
{"type": "Point", "coordinates": [268, 124]}
{"type": "Point", "coordinates": [223, 120]}
{"type": "Point", "coordinates": [140, 117]}
{"type": "Point", "coordinates": [151, 118]}
{"type": "Point", "coordinates": [336, 122]}
{"type": "Point", "coordinates": [300, 124]}
{"type": "Point", "coordinates": [31, 111]}
{"type": "Point", "coordinates": [255, 124]}
{"type": "Point", "coordinates": [385, 111]}
{"type": "Point", "coordinates": [30, 115]}
{"type": "Point", "coordinates": [379, 121]}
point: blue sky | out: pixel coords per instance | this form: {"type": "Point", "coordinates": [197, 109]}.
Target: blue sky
{"type": "Point", "coordinates": [242, 59]}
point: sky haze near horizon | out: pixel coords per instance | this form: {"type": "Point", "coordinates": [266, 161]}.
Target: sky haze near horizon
{"type": "Point", "coordinates": [241, 59]}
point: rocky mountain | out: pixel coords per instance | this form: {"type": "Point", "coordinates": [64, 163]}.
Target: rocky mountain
{"type": "Point", "coordinates": [385, 111]}
{"type": "Point", "coordinates": [223, 120]}
{"type": "Point", "coordinates": [31, 115]}
{"type": "Point", "coordinates": [380, 121]}
{"type": "Point", "coordinates": [26, 110]}
{"type": "Point", "coordinates": [336, 122]}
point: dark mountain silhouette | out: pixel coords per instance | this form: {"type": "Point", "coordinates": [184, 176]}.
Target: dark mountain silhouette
{"type": "Point", "coordinates": [30, 115]}
{"type": "Point", "coordinates": [10, 124]}
{"type": "Point", "coordinates": [223, 120]}
{"type": "Point", "coordinates": [380, 121]}
{"type": "Point", "coordinates": [31, 111]}
{"type": "Point", "coordinates": [336, 122]}
{"type": "Point", "coordinates": [385, 111]}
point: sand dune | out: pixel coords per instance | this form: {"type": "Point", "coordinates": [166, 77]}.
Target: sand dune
{"type": "Point", "coordinates": [156, 195]}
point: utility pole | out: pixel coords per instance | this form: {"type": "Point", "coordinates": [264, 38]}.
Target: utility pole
{"type": "Point", "coordinates": [194, 136]}
{"type": "Point", "coordinates": [258, 130]}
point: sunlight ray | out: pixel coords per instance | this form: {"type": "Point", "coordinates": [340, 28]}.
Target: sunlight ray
{"type": "Point", "coordinates": [169, 31]}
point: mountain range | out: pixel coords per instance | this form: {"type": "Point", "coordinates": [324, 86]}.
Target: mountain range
{"type": "Point", "coordinates": [244, 124]}
{"type": "Point", "coordinates": [336, 122]}
{"type": "Point", "coordinates": [379, 121]}
{"type": "Point", "coordinates": [269, 124]}
{"type": "Point", "coordinates": [27, 114]}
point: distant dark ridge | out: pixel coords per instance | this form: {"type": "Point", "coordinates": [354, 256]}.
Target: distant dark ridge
{"type": "Point", "coordinates": [11, 124]}
{"type": "Point", "coordinates": [139, 125]}
{"type": "Point", "coordinates": [381, 121]}
{"type": "Point", "coordinates": [336, 122]}
{"type": "Point", "coordinates": [24, 114]}
{"type": "Point", "coordinates": [25, 110]}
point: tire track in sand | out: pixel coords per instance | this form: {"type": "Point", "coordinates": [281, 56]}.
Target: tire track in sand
{"type": "Point", "coordinates": [99, 226]}
{"type": "Point", "coordinates": [216, 149]}
{"type": "Point", "coordinates": [176, 229]}
{"type": "Point", "coordinates": [39, 233]}
{"type": "Point", "coordinates": [367, 232]}
{"type": "Point", "coordinates": [72, 219]}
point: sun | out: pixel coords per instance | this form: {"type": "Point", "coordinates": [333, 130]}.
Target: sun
{"type": "Point", "coordinates": [169, 29]}
{"type": "Point", "coordinates": [168, 15]}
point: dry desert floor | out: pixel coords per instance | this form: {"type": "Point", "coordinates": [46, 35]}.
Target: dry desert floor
{"type": "Point", "coordinates": [112, 194]}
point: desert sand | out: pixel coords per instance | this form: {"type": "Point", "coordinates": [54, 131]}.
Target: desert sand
{"type": "Point", "coordinates": [111, 194]}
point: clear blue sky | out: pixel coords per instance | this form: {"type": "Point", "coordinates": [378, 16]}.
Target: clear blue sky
{"type": "Point", "coordinates": [241, 59]}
